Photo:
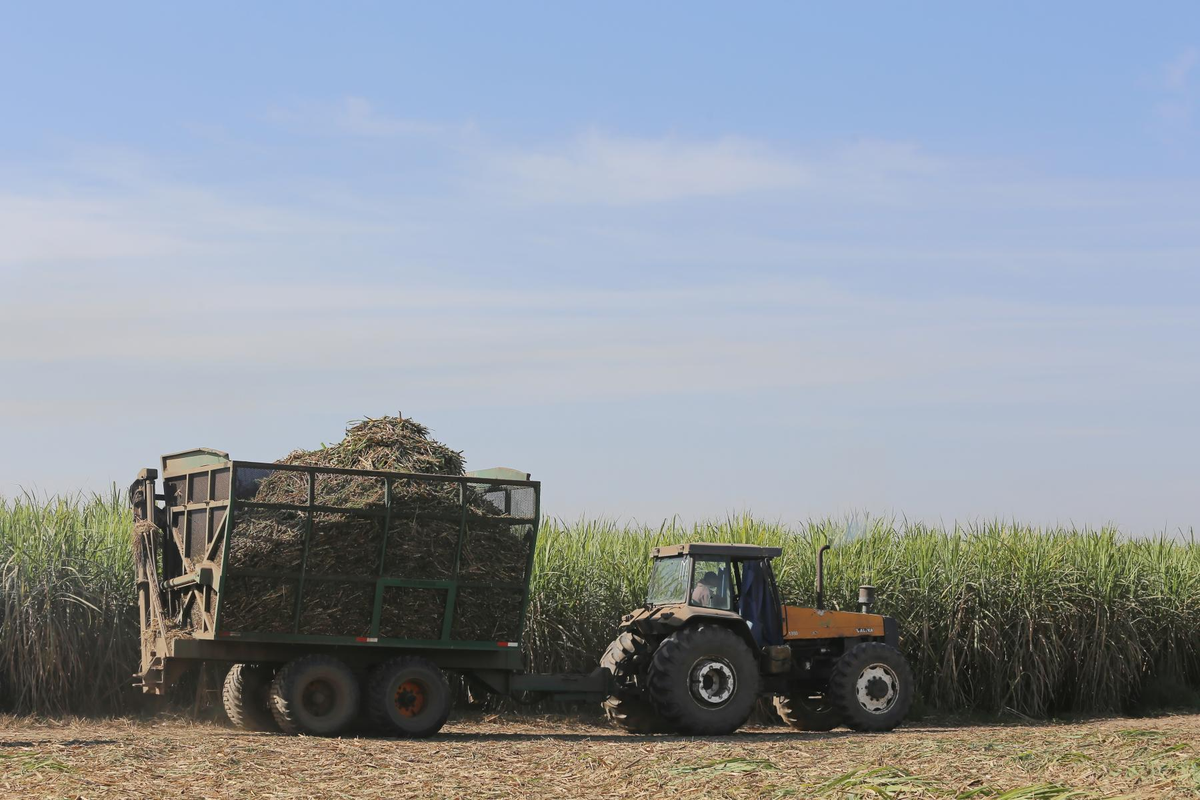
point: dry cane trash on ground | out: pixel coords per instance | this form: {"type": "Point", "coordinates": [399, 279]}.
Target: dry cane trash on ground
{"type": "Point", "coordinates": [422, 542]}
{"type": "Point", "coordinates": [494, 757]}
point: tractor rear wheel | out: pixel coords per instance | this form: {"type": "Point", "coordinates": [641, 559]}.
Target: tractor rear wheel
{"type": "Point", "coordinates": [244, 696]}
{"type": "Point", "coordinates": [805, 711]}
{"type": "Point", "coordinates": [872, 686]}
{"type": "Point", "coordinates": [314, 694]}
{"type": "Point", "coordinates": [627, 658]}
{"type": "Point", "coordinates": [408, 696]}
{"type": "Point", "coordinates": [704, 680]}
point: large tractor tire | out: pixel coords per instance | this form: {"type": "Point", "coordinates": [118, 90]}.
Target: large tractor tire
{"type": "Point", "coordinates": [807, 712]}
{"type": "Point", "coordinates": [704, 680]}
{"type": "Point", "coordinates": [245, 697]}
{"type": "Point", "coordinates": [408, 696]}
{"type": "Point", "coordinates": [872, 686]}
{"type": "Point", "coordinates": [627, 707]}
{"type": "Point", "coordinates": [314, 694]}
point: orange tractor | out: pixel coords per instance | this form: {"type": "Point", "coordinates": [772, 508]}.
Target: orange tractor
{"type": "Point", "coordinates": [713, 637]}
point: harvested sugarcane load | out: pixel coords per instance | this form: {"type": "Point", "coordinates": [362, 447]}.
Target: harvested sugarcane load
{"type": "Point", "coordinates": [381, 535]}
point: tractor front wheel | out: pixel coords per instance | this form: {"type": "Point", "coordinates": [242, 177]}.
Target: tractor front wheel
{"type": "Point", "coordinates": [872, 686]}
{"type": "Point", "coordinates": [704, 680]}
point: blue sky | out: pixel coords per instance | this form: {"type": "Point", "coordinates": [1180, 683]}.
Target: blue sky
{"type": "Point", "coordinates": [939, 261]}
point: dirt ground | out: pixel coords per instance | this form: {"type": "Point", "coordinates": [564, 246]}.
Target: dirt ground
{"type": "Point", "coordinates": [496, 757]}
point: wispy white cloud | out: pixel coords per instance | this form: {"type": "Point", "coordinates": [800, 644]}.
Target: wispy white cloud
{"type": "Point", "coordinates": [750, 335]}
{"type": "Point", "coordinates": [37, 229]}
{"type": "Point", "coordinates": [1176, 109]}
{"type": "Point", "coordinates": [599, 168]}
{"type": "Point", "coordinates": [355, 116]}
{"type": "Point", "coordinates": [106, 204]}
{"type": "Point", "coordinates": [1178, 72]}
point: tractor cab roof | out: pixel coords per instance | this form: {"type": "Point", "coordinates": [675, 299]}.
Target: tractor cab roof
{"type": "Point", "coordinates": [737, 552]}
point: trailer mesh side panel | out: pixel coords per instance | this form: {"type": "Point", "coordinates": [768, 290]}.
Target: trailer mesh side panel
{"type": "Point", "coordinates": [336, 608]}
{"type": "Point", "coordinates": [423, 530]}
{"type": "Point", "coordinates": [345, 544]}
{"type": "Point", "coordinates": [349, 491]}
{"type": "Point", "coordinates": [410, 613]}
{"type": "Point", "coordinates": [197, 533]}
{"type": "Point", "coordinates": [271, 602]}
{"type": "Point", "coordinates": [494, 550]}
{"type": "Point", "coordinates": [483, 613]}
{"type": "Point", "coordinates": [272, 486]}
{"type": "Point", "coordinates": [283, 550]}
{"type": "Point", "coordinates": [343, 540]}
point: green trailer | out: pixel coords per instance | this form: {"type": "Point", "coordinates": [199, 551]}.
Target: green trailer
{"type": "Point", "coordinates": [374, 586]}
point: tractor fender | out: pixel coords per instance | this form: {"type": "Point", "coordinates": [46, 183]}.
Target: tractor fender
{"type": "Point", "coordinates": [660, 622]}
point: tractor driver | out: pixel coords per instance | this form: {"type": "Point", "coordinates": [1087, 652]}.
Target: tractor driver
{"type": "Point", "coordinates": [702, 595]}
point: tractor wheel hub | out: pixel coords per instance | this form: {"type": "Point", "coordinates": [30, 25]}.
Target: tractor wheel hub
{"type": "Point", "coordinates": [877, 688]}
{"type": "Point", "coordinates": [712, 681]}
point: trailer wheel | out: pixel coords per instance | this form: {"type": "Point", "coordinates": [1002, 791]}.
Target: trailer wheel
{"type": "Point", "coordinates": [315, 694]}
{"type": "Point", "coordinates": [872, 686]}
{"type": "Point", "coordinates": [704, 680]}
{"type": "Point", "coordinates": [627, 658]}
{"type": "Point", "coordinates": [806, 712]}
{"type": "Point", "coordinates": [408, 696]}
{"type": "Point", "coordinates": [245, 697]}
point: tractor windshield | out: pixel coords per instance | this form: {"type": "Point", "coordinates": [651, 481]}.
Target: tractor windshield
{"type": "Point", "coordinates": [668, 581]}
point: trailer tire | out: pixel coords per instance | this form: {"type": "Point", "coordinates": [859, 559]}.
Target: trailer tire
{"type": "Point", "coordinates": [704, 680]}
{"type": "Point", "coordinates": [628, 658]}
{"type": "Point", "coordinates": [805, 713]}
{"type": "Point", "coordinates": [872, 687]}
{"type": "Point", "coordinates": [245, 697]}
{"type": "Point", "coordinates": [314, 694]}
{"type": "Point", "coordinates": [408, 696]}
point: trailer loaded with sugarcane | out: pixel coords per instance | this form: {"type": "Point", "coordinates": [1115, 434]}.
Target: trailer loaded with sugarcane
{"type": "Point", "coordinates": [347, 582]}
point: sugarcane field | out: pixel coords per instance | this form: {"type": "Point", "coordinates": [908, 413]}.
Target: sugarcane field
{"type": "Point", "coordinates": [621, 400]}
{"type": "Point", "coordinates": [300, 634]}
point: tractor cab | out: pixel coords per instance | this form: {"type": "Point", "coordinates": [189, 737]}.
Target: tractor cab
{"type": "Point", "coordinates": [702, 577]}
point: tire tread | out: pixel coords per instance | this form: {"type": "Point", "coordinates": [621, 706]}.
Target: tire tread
{"type": "Point", "coordinates": [665, 684]}
{"type": "Point", "coordinates": [845, 674]}
{"type": "Point", "coordinates": [283, 689]}
{"type": "Point", "coordinates": [627, 707]}
{"type": "Point", "coordinates": [240, 695]}
{"type": "Point", "coordinates": [377, 690]}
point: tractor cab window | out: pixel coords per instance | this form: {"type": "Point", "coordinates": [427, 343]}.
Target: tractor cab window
{"type": "Point", "coordinates": [668, 581]}
{"type": "Point", "coordinates": [712, 584]}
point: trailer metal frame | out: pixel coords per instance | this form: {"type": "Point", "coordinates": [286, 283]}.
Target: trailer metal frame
{"type": "Point", "coordinates": [205, 492]}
